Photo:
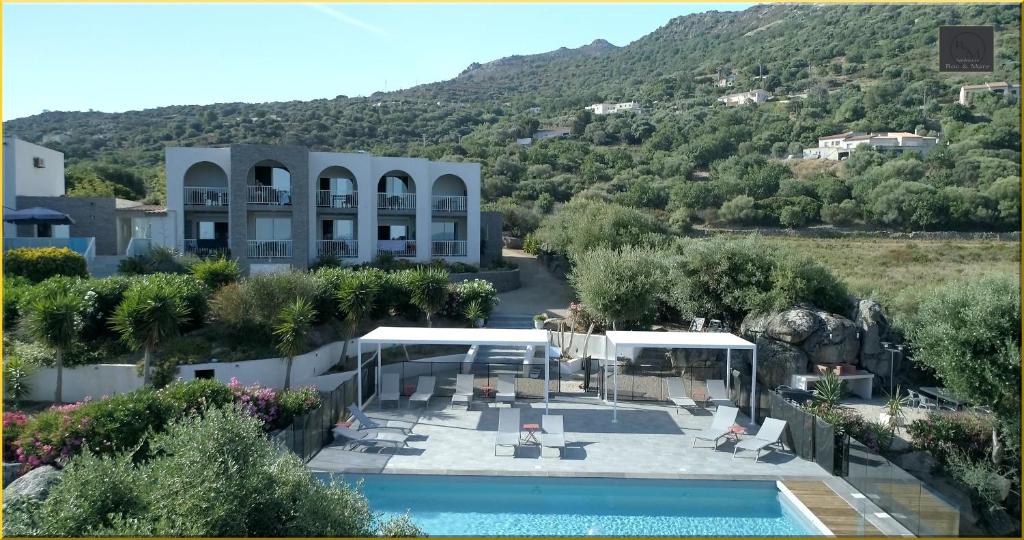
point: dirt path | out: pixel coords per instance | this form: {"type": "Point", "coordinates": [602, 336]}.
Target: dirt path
{"type": "Point", "coordinates": [541, 292]}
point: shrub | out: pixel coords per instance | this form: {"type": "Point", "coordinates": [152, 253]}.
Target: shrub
{"type": "Point", "coordinates": [15, 288]}
{"type": "Point", "coordinates": [252, 304]}
{"type": "Point", "coordinates": [37, 264]}
{"type": "Point", "coordinates": [531, 244]}
{"type": "Point", "coordinates": [476, 291]}
{"type": "Point", "coordinates": [194, 397]}
{"type": "Point", "coordinates": [20, 361]}
{"type": "Point", "coordinates": [941, 431]}
{"type": "Point", "coordinates": [215, 273]}
{"type": "Point", "coordinates": [988, 487]}
{"type": "Point", "coordinates": [583, 225]}
{"type": "Point", "coordinates": [13, 424]}
{"type": "Point", "coordinates": [621, 286]}
{"type": "Point", "coordinates": [428, 290]}
{"type": "Point", "coordinates": [297, 402]}
{"type": "Point", "coordinates": [159, 260]}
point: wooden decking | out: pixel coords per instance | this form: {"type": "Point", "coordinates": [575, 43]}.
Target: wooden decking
{"type": "Point", "coordinates": [831, 509]}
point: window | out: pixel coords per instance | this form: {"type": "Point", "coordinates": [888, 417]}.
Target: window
{"type": "Point", "coordinates": [38, 163]}
{"type": "Point", "coordinates": [206, 231]}
{"type": "Point", "coordinates": [338, 229]}
{"type": "Point", "coordinates": [396, 185]}
{"type": "Point", "coordinates": [273, 229]}
{"type": "Point", "coordinates": [442, 230]}
{"type": "Point", "coordinates": [337, 185]}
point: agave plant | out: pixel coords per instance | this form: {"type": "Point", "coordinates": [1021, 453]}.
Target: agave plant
{"type": "Point", "coordinates": [828, 391]}
{"type": "Point", "coordinates": [893, 415]}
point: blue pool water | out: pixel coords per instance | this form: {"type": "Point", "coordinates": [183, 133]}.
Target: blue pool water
{"type": "Point", "coordinates": [537, 506]}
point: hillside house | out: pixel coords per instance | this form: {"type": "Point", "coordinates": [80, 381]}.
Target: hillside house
{"type": "Point", "coordinates": [1002, 88]}
{"type": "Point", "coordinates": [839, 147]}
{"type": "Point", "coordinates": [743, 98]}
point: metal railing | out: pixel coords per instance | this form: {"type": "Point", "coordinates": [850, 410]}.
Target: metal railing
{"type": "Point", "coordinates": [206, 196]}
{"type": "Point", "coordinates": [396, 201]}
{"type": "Point", "coordinates": [138, 246]}
{"type": "Point", "coordinates": [309, 433]}
{"type": "Point", "coordinates": [206, 248]}
{"type": "Point", "coordinates": [338, 248]}
{"type": "Point", "coordinates": [268, 195]}
{"type": "Point", "coordinates": [448, 248]}
{"type": "Point", "coordinates": [529, 378]}
{"type": "Point", "coordinates": [326, 198]}
{"type": "Point", "coordinates": [266, 249]}
{"type": "Point", "coordinates": [448, 203]}
{"type": "Point", "coordinates": [397, 248]}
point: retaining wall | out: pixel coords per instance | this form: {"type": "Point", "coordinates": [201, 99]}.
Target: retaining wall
{"type": "Point", "coordinates": [503, 280]}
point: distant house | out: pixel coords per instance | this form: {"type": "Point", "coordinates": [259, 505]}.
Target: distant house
{"type": "Point", "coordinates": [1002, 88]}
{"type": "Point", "coordinates": [525, 141]}
{"type": "Point", "coordinates": [839, 147]}
{"type": "Point", "coordinates": [725, 81]}
{"type": "Point", "coordinates": [552, 133]}
{"type": "Point", "coordinates": [533, 110]}
{"type": "Point", "coordinates": [614, 108]}
{"type": "Point", "coordinates": [742, 98]}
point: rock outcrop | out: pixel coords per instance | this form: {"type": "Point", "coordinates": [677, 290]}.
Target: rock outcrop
{"type": "Point", "coordinates": [35, 484]}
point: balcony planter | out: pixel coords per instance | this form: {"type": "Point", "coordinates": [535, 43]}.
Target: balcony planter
{"type": "Point", "coordinates": [479, 323]}
{"type": "Point", "coordinates": [539, 320]}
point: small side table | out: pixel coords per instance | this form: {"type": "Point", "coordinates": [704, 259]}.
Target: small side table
{"type": "Point", "coordinates": [409, 389]}
{"type": "Point", "coordinates": [531, 433]}
{"type": "Point", "coordinates": [487, 390]}
{"type": "Point", "coordinates": [735, 431]}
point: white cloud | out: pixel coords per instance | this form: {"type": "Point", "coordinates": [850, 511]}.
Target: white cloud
{"type": "Point", "coordinates": [348, 19]}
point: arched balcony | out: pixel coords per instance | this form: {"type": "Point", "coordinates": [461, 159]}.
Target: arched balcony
{"type": "Point", "coordinates": [269, 183]}
{"type": "Point", "coordinates": [336, 188]}
{"type": "Point", "coordinates": [448, 227]}
{"type": "Point", "coordinates": [205, 184]}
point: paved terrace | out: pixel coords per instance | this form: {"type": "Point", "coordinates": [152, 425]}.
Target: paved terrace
{"type": "Point", "coordinates": [650, 440]}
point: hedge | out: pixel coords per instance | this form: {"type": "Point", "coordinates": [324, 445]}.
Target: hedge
{"type": "Point", "coordinates": [37, 264]}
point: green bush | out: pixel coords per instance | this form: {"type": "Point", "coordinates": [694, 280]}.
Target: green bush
{"type": "Point", "coordinates": [478, 292]}
{"type": "Point", "coordinates": [941, 432]}
{"type": "Point", "coordinates": [37, 264]}
{"type": "Point", "coordinates": [987, 485]}
{"type": "Point", "coordinates": [253, 303]}
{"type": "Point", "coordinates": [186, 398]}
{"type": "Point", "coordinates": [216, 273]}
{"type": "Point", "coordinates": [620, 286]}
{"type": "Point", "coordinates": [583, 225]}
{"type": "Point", "coordinates": [187, 289]}
{"type": "Point", "coordinates": [215, 475]}
{"type": "Point", "coordinates": [159, 260]}
{"type": "Point", "coordinates": [15, 288]}
{"type": "Point", "coordinates": [296, 402]}
{"type": "Point", "coordinates": [532, 244]}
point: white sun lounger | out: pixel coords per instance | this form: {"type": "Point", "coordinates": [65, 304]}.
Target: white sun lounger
{"type": "Point", "coordinates": [676, 394]}
{"type": "Point", "coordinates": [508, 430]}
{"type": "Point", "coordinates": [717, 393]}
{"type": "Point", "coordinates": [424, 391]}
{"type": "Point", "coordinates": [367, 423]}
{"type": "Point", "coordinates": [552, 434]}
{"type": "Point", "coordinates": [721, 425]}
{"type": "Point", "coordinates": [370, 437]}
{"type": "Point", "coordinates": [389, 389]}
{"type": "Point", "coordinates": [506, 388]}
{"type": "Point", "coordinates": [463, 389]}
{"type": "Point", "coordinates": [769, 434]}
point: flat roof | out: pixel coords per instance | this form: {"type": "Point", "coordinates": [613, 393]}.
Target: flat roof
{"type": "Point", "coordinates": [679, 340]}
{"type": "Point", "coordinates": [456, 336]}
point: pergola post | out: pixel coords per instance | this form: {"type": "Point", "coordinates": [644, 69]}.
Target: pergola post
{"type": "Point", "coordinates": [547, 373]}
{"type": "Point", "coordinates": [380, 363]}
{"type": "Point", "coordinates": [359, 371]}
{"type": "Point", "coordinates": [728, 371]}
{"type": "Point", "coordinates": [753, 387]}
{"type": "Point", "coordinates": [615, 379]}
{"type": "Point", "coordinates": [604, 372]}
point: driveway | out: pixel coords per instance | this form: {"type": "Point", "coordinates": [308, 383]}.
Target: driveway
{"type": "Point", "coordinates": [541, 291]}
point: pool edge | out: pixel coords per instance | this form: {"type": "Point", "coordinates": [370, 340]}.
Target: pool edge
{"type": "Point", "coordinates": [805, 512]}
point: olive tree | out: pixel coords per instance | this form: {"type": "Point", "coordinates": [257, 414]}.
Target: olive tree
{"type": "Point", "coordinates": [620, 285]}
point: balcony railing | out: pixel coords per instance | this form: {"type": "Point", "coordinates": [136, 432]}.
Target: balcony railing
{"type": "Point", "coordinates": [326, 198]}
{"type": "Point", "coordinates": [448, 248]}
{"type": "Point", "coordinates": [207, 248]}
{"type": "Point", "coordinates": [269, 195]}
{"type": "Point", "coordinates": [206, 196]}
{"type": "Point", "coordinates": [396, 201]}
{"type": "Point", "coordinates": [397, 248]}
{"type": "Point", "coordinates": [338, 248]}
{"type": "Point", "coordinates": [268, 249]}
{"type": "Point", "coordinates": [448, 203]}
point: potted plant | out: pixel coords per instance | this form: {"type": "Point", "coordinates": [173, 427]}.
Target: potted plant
{"type": "Point", "coordinates": [475, 314]}
{"type": "Point", "coordinates": [539, 320]}
{"type": "Point", "coordinates": [892, 415]}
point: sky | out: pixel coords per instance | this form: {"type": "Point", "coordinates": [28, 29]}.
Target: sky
{"type": "Point", "coordinates": [115, 58]}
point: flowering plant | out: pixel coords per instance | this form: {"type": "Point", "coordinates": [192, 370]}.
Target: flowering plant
{"type": "Point", "coordinates": [259, 401]}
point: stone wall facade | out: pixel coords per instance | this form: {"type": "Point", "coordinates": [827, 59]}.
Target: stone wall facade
{"type": "Point", "coordinates": [93, 216]}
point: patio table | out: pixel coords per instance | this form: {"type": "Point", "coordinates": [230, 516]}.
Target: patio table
{"type": "Point", "coordinates": [531, 430]}
{"type": "Point", "coordinates": [735, 431]}
{"type": "Point", "coordinates": [941, 394]}
{"type": "Point", "coordinates": [487, 390]}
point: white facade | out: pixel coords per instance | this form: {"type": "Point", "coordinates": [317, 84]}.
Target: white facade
{"type": "Point", "coordinates": [1003, 88]}
{"type": "Point", "coordinates": [354, 206]}
{"type": "Point", "coordinates": [742, 98]}
{"type": "Point", "coordinates": [30, 170]}
{"type": "Point", "coordinates": [614, 108]}
{"type": "Point", "coordinates": [839, 147]}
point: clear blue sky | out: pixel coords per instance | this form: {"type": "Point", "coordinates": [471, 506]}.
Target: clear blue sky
{"type": "Point", "coordinates": [125, 57]}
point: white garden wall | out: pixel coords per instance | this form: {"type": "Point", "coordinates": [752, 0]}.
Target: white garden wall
{"type": "Point", "coordinates": [93, 381]}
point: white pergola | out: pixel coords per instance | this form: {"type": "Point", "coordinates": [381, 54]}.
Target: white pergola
{"type": "Point", "coordinates": [452, 336]}
{"type": "Point", "coordinates": [681, 340]}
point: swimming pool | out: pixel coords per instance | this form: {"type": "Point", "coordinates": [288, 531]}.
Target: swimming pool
{"type": "Point", "coordinates": [539, 506]}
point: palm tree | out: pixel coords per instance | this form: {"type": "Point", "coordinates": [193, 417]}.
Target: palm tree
{"type": "Point", "coordinates": [429, 290]}
{"type": "Point", "coordinates": [146, 316]}
{"type": "Point", "coordinates": [357, 298]}
{"type": "Point", "coordinates": [56, 321]}
{"type": "Point", "coordinates": [293, 323]}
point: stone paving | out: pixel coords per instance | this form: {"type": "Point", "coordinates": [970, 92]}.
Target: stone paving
{"type": "Point", "coordinates": [649, 440]}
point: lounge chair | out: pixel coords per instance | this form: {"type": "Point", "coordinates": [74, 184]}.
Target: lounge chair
{"type": "Point", "coordinates": [769, 434]}
{"type": "Point", "coordinates": [463, 389]}
{"type": "Point", "coordinates": [552, 434]}
{"type": "Point", "coordinates": [676, 394]}
{"type": "Point", "coordinates": [717, 393]}
{"type": "Point", "coordinates": [424, 391]}
{"type": "Point", "coordinates": [721, 425]}
{"type": "Point", "coordinates": [367, 423]}
{"type": "Point", "coordinates": [508, 430]}
{"type": "Point", "coordinates": [389, 389]}
{"type": "Point", "coordinates": [506, 388]}
{"type": "Point", "coordinates": [370, 437]}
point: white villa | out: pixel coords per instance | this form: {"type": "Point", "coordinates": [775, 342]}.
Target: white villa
{"type": "Point", "coordinates": [614, 108]}
{"type": "Point", "coordinates": [1002, 88]}
{"type": "Point", "coordinates": [839, 147]}
{"type": "Point", "coordinates": [279, 207]}
{"type": "Point", "coordinates": [742, 98]}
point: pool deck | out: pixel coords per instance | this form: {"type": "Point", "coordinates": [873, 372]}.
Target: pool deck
{"type": "Point", "coordinates": [649, 440]}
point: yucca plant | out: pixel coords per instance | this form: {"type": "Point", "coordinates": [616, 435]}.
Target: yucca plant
{"type": "Point", "coordinates": [293, 324]}
{"type": "Point", "coordinates": [894, 415]}
{"type": "Point", "coordinates": [429, 290]}
{"type": "Point", "coordinates": [357, 298]}
{"type": "Point", "coordinates": [145, 318]}
{"type": "Point", "coordinates": [828, 391]}
{"type": "Point", "coordinates": [56, 321]}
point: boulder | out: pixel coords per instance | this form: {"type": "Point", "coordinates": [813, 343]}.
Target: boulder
{"type": "Point", "coordinates": [920, 463]}
{"type": "Point", "coordinates": [778, 361]}
{"type": "Point", "coordinates": [793, 326]}
{"type": "Point", "coordinates": [834, 341]}
{"type": "Point", "coordinates": [35, 484]}
{"type": "Point", "coordinates": [754, 325]}
{"type": "Point", "coordinates": [874, 328]}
